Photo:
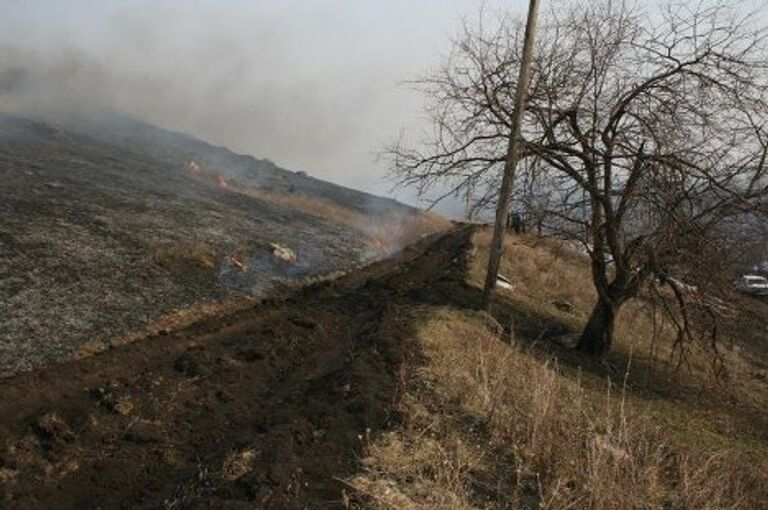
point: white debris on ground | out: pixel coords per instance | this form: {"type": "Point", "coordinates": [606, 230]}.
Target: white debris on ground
{"type": "Point", "coordinates": [192, 167]}
{"type": "Point", "coordinates": [682, 286]}
{"type": "Point", "coordinates": [503, 282]}
{"type": "Point", "coordinates": [283, 253]}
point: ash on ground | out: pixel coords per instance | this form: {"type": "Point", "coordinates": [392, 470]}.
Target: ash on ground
{"type": "Point", "coordinates": [102, 231]}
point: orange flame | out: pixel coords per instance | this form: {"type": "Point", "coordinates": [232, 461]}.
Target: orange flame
{"type": "Point", "coordinates": [236, 263]}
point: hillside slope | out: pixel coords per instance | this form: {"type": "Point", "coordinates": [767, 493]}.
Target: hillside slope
{"type": "Point", "coordinates": [265, 407]}
{"type": "Point", "coordinates": [104, 232]}
{"type": "Point", "coordinates": [387, 388]}
{"type": "Point", "coordinates": [500, 412]}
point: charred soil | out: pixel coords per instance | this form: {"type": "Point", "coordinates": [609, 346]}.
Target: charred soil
{"type": "Point", "coordinates": [105, 230]}
{"type": "Point", "coordinates": [264, 408]}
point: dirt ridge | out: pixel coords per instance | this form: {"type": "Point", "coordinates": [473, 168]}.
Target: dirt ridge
{"type": "Point", "coordinates": [265, 408]}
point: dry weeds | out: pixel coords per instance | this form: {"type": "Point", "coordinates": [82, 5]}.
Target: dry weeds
{"type": "Point", "coordinates": [493, 425]}
{"type": "Point", "coordinates": [386, 234]}
{"type": "Point", "coordinates": [179, 259]}
{"type": "Point", "coordinates": [489, 425]}
{"type": "Point", "coordinates": [545, 271]}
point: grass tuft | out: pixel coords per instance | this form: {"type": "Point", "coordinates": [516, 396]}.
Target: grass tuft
{"type": "Point", "coordinates": [180, 259]}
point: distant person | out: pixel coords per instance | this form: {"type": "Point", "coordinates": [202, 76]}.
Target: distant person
{"type": "Point", "coordinates": [515, 221]}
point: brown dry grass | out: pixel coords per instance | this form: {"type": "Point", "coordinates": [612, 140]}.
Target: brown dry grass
{"type": "Point", "coordinates": [487, 424]}
{"type": "Point", "coordinates": [179, 259]}
{"type": "Point", "coordinates": [547, 270]}
{"type": "Point", "coordinates": [386, 233]}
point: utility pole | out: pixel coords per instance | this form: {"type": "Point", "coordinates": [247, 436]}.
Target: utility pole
{"type": "Point", "coordinates": [468, 199]}
{"type": "Point", "coordinates": [513, 155]}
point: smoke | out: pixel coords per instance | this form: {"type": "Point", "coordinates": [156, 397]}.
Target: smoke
{"type": "Point", "coordinates": [310, 85]}
{"type": "Point", "coordinates": [36, 83]}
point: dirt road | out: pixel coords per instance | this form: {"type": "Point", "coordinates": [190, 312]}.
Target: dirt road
{"type": "Point", "coordinates": [266, 408]}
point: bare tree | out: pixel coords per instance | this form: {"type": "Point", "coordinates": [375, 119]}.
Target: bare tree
{"type": "Point", "coordinates": [649, 127]}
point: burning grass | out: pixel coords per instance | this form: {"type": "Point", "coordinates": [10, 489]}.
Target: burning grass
{"type": "Point", "coordinates": [386, 233]}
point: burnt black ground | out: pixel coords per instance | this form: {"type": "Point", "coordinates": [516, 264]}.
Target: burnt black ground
{"type": "Point", "coordinates": [85, 204]}
{"type": "Point", "coordinates": [265, 408]}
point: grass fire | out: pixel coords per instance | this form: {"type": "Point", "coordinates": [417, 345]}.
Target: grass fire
{"type": "Point", "coordinates": [506, 256]}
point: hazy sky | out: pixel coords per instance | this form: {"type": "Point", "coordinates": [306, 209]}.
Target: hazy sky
{"type": "Point", "coordinates": [311, 84]}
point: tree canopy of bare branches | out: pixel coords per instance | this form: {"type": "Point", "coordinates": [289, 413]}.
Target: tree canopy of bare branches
{"type": "Point", "coordinates": [646, 129]}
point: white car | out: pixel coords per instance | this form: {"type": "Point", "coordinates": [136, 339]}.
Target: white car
{"type": "Point", "coordinates": [753, 284]}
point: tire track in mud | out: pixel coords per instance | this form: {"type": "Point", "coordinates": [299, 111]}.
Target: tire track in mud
{"type": "Point", "coordinates": [265, 408]}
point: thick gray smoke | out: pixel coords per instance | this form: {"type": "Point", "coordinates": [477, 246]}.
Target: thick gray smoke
{"type": "Point", "coordinates": [311, 85]}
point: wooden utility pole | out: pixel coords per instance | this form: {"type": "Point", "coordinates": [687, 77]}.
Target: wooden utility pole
{"type": "Point", "coordinates": [513, 155]}
{"type": "Point", "coordinates": [469, 212]}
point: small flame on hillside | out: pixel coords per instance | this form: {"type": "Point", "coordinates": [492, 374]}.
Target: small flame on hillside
{"type": "Point", "coordinates": [236, 262]}
{"type": "Point", "coordinates": [377, 247]}
{"type": "Point", "coordinates": [193, 169]}
{"type": "Point", "coordinates": [384, 234]}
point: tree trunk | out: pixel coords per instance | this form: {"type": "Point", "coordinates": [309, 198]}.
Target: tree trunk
{"type": "Point", "coordinates": [597, 337]}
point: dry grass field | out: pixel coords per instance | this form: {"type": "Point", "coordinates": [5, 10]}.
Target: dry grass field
{"type": "Point", "coordinates": [530, 424]}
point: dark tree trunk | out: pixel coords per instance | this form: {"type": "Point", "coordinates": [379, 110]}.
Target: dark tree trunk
{"type": "Point", "coordinates": [597, 337]}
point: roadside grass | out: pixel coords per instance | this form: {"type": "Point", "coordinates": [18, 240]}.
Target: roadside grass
{"type": "Point", "coordinates": [530, 424]}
